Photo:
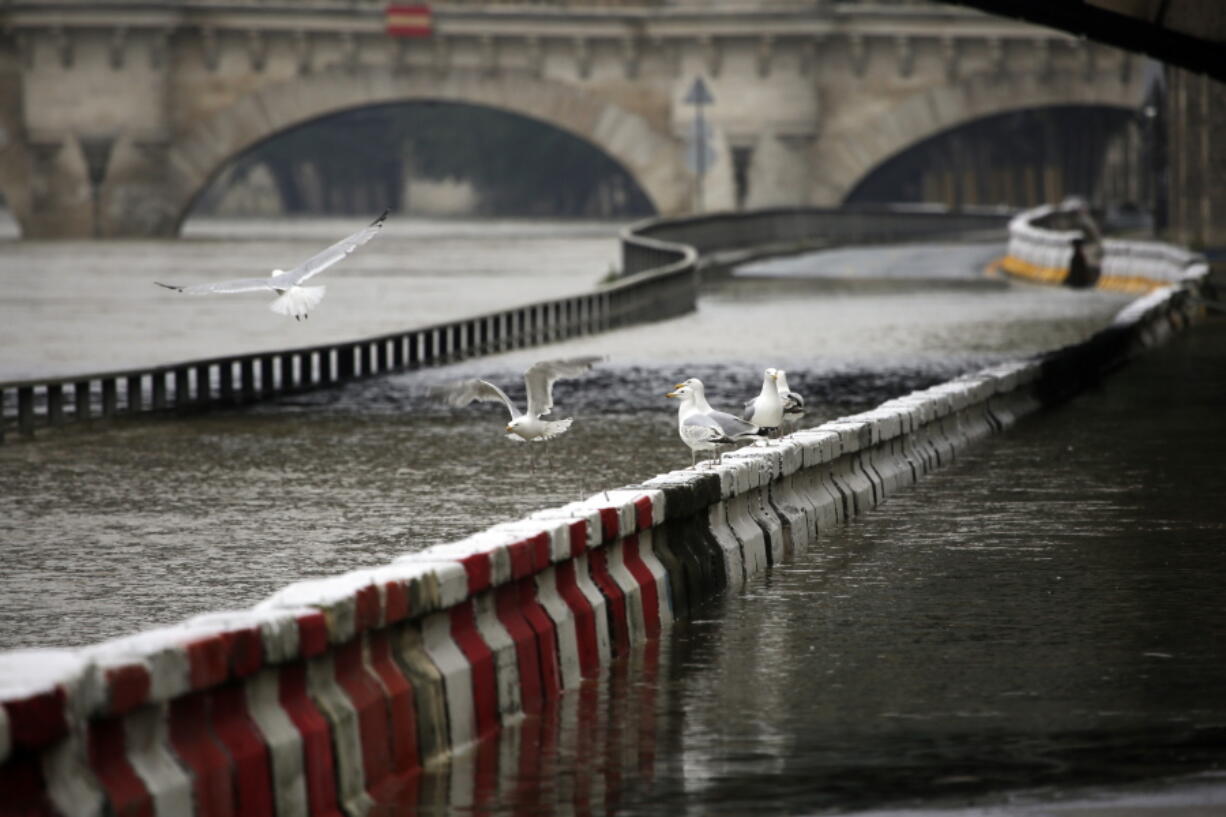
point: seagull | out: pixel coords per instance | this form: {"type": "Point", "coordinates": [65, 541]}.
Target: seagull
{"type": "Point", "coordinates": [531, 425]}
{"type": "Point", "coordinates": [293, 298]}
{"type": "Point", "coordinates": [766, 410]}
{"type": "Point", "coordinates": [703, 428]}
{"type": "Point", "coordinates": [793, 403]}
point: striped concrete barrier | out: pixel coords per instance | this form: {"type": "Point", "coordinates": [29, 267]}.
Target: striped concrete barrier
{"type": "Point", "coordinates": [1045, 255]}
{"type": "Point", "coordinates": [339, 696]}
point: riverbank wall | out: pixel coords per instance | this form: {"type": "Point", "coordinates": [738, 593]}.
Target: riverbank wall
{"type": "Point", "coordinates": [332, 696]}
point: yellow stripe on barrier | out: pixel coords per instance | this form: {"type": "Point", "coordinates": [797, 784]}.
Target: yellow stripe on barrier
{"type": "Point", "coordinates": [1025, 269]}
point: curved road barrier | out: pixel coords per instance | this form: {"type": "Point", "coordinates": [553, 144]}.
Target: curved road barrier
{"type": "Point", "coordinates": [331, 696]}
{"type": "Point", "coordinates": [661, 262]}
{"type": "Point", "coordinates": [1039, 251]}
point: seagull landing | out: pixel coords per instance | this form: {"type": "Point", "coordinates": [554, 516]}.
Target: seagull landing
{"type": "Point", "coordinates": [531, 425]}
{"type": "Point", "coordinates": [703, 428]}
{"type": "Point", "coordinates": [292, 298]}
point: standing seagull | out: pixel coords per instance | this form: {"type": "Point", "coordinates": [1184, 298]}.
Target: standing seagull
{"type": "Point", "coordinates": [530, 426]}
{"type": "Point", "coordinates": [766, 410]}
{"type": "Point", "coordinates": [793, 403]}
{"type": "Point", "coordinates": [293, 298]}
{"type": "Point", "coordinates": [703, 428]}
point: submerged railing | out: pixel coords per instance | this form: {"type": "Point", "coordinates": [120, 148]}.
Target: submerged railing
{"type": "Point", "coordinates": [661, 259]}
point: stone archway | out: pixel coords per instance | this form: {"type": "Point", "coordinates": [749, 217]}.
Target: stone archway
{"type": "Point", "coordinates": [852, 148]}
{"type": "Point", "coordinates": [651, 157]}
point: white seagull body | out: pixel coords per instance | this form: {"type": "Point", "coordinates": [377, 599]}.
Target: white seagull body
{"type": "Point", "coordinates": [530, 425]}
{"type": "Point", "coordinates": [766, 410]}
{"type": "Point", "coordinates": [703, 428]}
{"type": "Point", "coordinates": [292, 298]}
{"type": "Point", "coordinates": [793, 403]}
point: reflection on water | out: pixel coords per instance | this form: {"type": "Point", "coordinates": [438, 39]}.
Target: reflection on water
{"type": "Point", "coordinates": [1039, 621]}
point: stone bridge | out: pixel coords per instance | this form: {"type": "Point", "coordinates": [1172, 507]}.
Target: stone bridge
{"type": "Point", "coordinates": [115, 116]}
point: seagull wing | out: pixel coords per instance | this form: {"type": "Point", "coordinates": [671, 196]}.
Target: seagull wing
{"type": "Point", "coordinates": [698, 429]}
{"type": "Point", "coordinates": [733, 428]}
{"type": "Point", "coordinates": [337, 252]}
{"type": "Point", "coordinates": [463, 392]}
{"type": "Point", "coordinates": [540, 377]}
{"type": "Point", "coordinates": [224, 287]}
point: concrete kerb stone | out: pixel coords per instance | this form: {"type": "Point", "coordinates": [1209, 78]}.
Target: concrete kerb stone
{"type": "Point", "coordinates": [744, 477]}
{"type": "Point", "coordinates": [735, 483]}
{"type": "Point", "coordinates": [848, 472]}
{"type": "Point", "coordinates": [796, 516]}
{"type": "Point", "coordinates": [695, 535]}
{"type": "Point", "coordinates": [575, 583]}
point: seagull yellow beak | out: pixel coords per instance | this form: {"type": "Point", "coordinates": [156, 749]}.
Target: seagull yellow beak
{"type": "Point", "coordinates": [509, 428]}
{"type": "Point", "coordinates": [672, 394]}
{"type": "Point", "coordinates": [774, 375]}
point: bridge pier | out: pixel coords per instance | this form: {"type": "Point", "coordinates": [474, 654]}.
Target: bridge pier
{"type": "Point", "coordinates": [67, 199]}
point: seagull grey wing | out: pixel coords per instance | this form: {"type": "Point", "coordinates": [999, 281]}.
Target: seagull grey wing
{"type": "Point", "coordinates": [700, 429]}
{"type": "Point", "coordinates": [749, 405]}
{"type": "Point", "coordinates": [463, 392]}
{"type": "Point", "coordinates": [337, 252]}
{"type": "Point", "coordinates": [793, 403]}
{"type": "Point", "coordinates": [733, 428]}
{"type": "Point", "coordinates": [225, 287]}
{"type": "Point", "coordinates": [540, 377]}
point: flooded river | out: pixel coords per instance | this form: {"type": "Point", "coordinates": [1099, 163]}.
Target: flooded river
{"type": "Point", "coordinates": [157, 520]}
{"type": "Point", "coordinates": [1037, 618]}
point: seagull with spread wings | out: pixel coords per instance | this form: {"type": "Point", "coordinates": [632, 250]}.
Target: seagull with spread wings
{"type": "Point", "coordinates": [530, 425]}
{"type": "Point", "coordinates": [292, 298]}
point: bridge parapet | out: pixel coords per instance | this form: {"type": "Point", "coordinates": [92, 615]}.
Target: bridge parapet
{"type": "Point", "coordinates": [128, 110]}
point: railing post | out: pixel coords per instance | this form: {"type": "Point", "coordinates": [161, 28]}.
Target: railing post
{"type": "Point", "coordinates": [246, 376]}
{"type": "Point", "coordinates": [267, 377]}
{"type": "Point", "coordinates": [204, 384]}
{"type": "Point", "coordinates": [398, 344]}
{"type": "Point", "coordinates": [225, 381]}
{"type": "Point", "coordinates": [110, 397]}
{"type": "Point", "coordinates": [327, 364]}
{"type": "Point", "coordinates": [25, 411]}
{"type": "Point", "coordinates": [367, 356]}
{"type": "Point", "coordinates": [81, 398]}
{"type": "Point", "coordinates": [308, 377]}
{"type": "Point", "coordinates": [135, 398]}
{"type": "Point", "coordinates": [182, 388]}
{"type": "Point", "coordinates": [344, 359]}
{"type": "Point", "coordinates": [158, 387]}
{"type": "Point", "coordinates": [413, 340]}
{"type": "Point", "coordinates": [55, 404]}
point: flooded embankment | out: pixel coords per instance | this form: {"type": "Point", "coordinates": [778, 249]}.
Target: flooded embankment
{"type": "Point", "coordinates": [154, 521]}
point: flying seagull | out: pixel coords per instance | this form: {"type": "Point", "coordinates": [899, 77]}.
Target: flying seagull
{"type": "Point", "coordinates": [703, 428]}
{"type": "Point", "coordinates": [292, 298]}
{"type": "Point", "coordinates": [531, 425]}
{"type": "Point", "coordinates": [766, 410]}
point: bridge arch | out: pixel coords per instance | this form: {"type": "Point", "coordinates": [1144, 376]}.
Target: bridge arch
{"type": "Point", "coordinates": [848, 154]}
{"type": "Point", "coordinates": [652, 158]}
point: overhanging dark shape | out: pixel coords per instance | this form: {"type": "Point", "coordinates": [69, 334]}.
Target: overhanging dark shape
{"type": "Point", "coordinates": [1202, 54]}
